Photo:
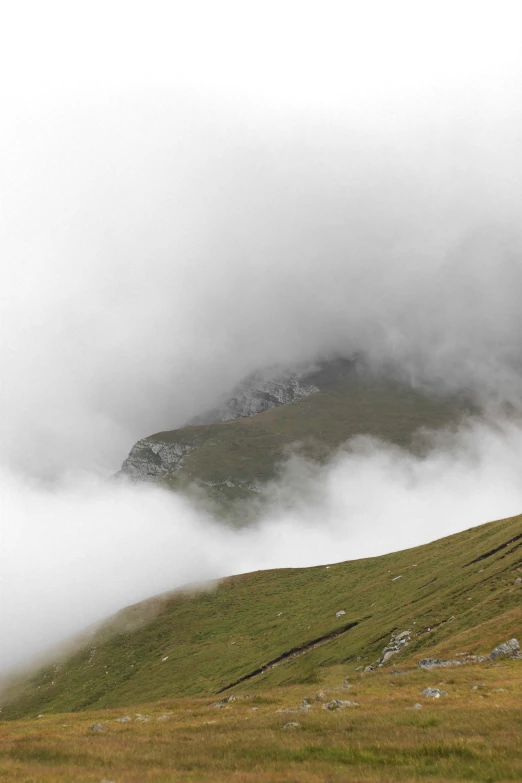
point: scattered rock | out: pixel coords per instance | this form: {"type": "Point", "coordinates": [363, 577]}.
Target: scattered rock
{"type": "Point", "coordinates": [254, 709]}
{"type": "Point", "coordinates": [510, 648]}
{"type": "Point", "coordinates": [518, 581]}
{"type": "Point", "coordinates": [417, 706]}
{"type": "Point", "coordinates": [339, 704]}
{"type": "Point", "coordinates": [321, 696]}
{"type": "Point", "coordinates": [397, 642]}
{"type": "Point", "coordinates": [97, 727]}
{"type": "Point", "coordinates": [478, 687]}
{"type": "Point", "coordinates": [292, 725]}
{"type": "Point", "coordinates": [437, 663]}
{"type": "Point", "coordinates": [165, 659]}
{"type": "Point", "coordinates": [223, 702]}
{"type": "Point", "coordinates": [399, 671]}
{"type": "Point", "coordinates": [433, 693]}
{"type": "Point", "coordinates": [369, 668]}
{"type": "Point", "coordinates": [126, 719]}
{"type": "Point", "coordinates": [163, 717]}
{"type": "Point", "coordinates": [340, 613]}
{"type": "Point", "coordinates": [397, 577]}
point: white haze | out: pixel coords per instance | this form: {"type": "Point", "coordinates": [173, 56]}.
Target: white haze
{"type": "Point", "coordinates": [189, 194]}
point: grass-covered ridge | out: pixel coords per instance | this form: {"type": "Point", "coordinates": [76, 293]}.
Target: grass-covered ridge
{"type": "Point", "coordinates": [233, 459]}
{"type": "Point", "coordinates": [458, 594]}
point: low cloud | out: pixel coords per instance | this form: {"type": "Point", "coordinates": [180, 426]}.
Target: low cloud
{"type": "Point", "coordinates": [181, 209]}
{"type": "Point", "coordinates": [74, 554]}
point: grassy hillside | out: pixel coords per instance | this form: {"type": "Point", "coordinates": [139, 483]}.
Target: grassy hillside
{"type": "Point", "coordinates": [279, 628]}
{"type": "Point", "coordinates": [232, 459]}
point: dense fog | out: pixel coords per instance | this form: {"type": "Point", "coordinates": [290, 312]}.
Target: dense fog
{"type": "Point", "coordinates": [197, 193]}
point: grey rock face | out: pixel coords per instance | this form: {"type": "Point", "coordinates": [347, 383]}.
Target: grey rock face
{"type": "Point", "coordinates": [510, 648]}
{"type": "Point", "coordinates": [256, 395]}
{"type": "Point", "coordinates": [397, 642]}
{"type": "Point", "coordinates": [151, 460]}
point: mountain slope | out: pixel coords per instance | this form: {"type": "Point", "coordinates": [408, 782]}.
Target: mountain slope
{"type": "Point", "coordinates": [281, 627]}
{"type": "Point", "coordinates": [236, 458]}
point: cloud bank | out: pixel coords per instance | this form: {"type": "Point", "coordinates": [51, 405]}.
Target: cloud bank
{"type": "Point", "coordinates": [74, 555]}
{"type": "Point", "coordinates": [182, 202]}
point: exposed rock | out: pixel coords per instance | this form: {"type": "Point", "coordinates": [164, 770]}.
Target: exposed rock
{"type": "Point", "coordinates": [437, 663]}
{"type": "Point", "coordinates": [340, 613]}
{"type": "Point", "coordinates": [97, 727]}
{"type": "Point", "coordinates": [397, 643]}
{"type": "Point", "coordinates": [224, 702]}
{"type": "Point", "coordinates": [518, 580]}
{"type": "Point", "coordinates": [291, 725]}
{"type": "Point", "coordinates": [433, 693]}
{"type": "Point", "coordinates": [257, 394]}
{"type": "Point", "coordinates": [417, 706]}
{"type": "Point", "coordinates": [339, 704]}
{"type": "Point", "coordinates": [510, 648]}
{"type": "Point", "coordinates": [321, 696]}
{"type": "Point", "coordinates": [126, 719]}
{"type": "Point", "coordinates": [151, 459]}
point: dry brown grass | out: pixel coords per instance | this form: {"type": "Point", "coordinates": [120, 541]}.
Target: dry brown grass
{"type": "Point", "coordinates": [470, 734]}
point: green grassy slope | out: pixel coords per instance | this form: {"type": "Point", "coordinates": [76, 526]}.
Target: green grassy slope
{"type": "Point", "coordinates": [231, 457]}
{"type": "Point", "coordinates": [457, 594]}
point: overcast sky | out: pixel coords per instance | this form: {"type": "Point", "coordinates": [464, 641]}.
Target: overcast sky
{"type": "Point", "coordinates": [191, 191]}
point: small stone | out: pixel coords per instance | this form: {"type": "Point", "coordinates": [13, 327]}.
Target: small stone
{"type": "Point", "coordinates": [292, 725]}
{"type": "Point", "coordinates": [397, 577]}
{"type": "Point", "coordinates": [340, 613]}
{"type": "Point", "coordinates": [417, 706]}
{"type": "Point", "coordinates": [97, 727]}
{"type": "Point", "coordinates": [321, 696]}
{"type": "Point", "coordinates": [433, 693]}
{"type": "Point", "coordinates": [165, 659]}
{"type": "Point", "coordinates": [126, 719]}
{"type": "Point", "coordinates": [339, 704]}
{"type": "Point", "coordinates": [437, 663]}
{"type": "Point", "coordinates": [254, 709]}
{"type": "Point", "coordinates": [518, 580]}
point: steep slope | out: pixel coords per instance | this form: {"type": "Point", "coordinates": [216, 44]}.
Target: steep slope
{"type": "Point", "coordinates": [461, 594]}
{"type": "Point", "coordinates": [236, 458]}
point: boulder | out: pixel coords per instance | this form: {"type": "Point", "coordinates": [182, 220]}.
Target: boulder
{"type": "Point", "coordinates": [510, 649]}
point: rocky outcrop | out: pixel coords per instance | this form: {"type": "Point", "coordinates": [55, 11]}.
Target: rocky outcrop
{"type": "Point", "coordinates": [509, 649]}
{"type": "Point", "coordinates": [259, 393]}
{"type": "Point", "coordinates": [151, 460]}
